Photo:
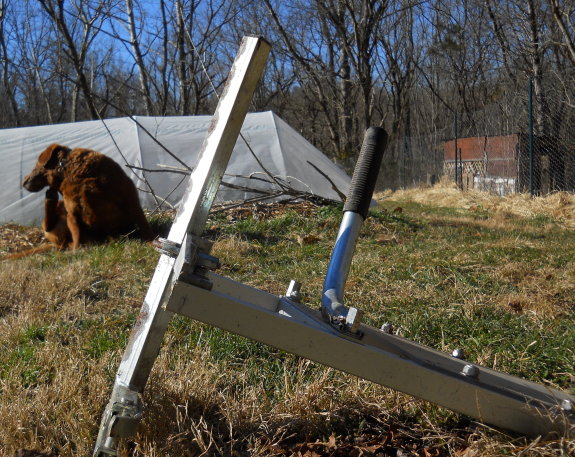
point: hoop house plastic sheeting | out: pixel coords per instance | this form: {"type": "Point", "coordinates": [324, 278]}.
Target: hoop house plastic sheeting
{"type": "Point", "coordinates": [143, 141]}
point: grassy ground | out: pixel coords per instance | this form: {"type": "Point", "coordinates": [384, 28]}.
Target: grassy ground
{"type": "Point", "coordinates": [493, 276]}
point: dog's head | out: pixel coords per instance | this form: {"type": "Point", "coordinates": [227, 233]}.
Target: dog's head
{"type": "Point", "coordinates": [48, 169]}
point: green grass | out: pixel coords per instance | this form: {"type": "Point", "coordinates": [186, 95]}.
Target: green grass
{"type": "Point", "coordinates": [450, 261]}
{"type": "Point", "coordinates": [20, 361]}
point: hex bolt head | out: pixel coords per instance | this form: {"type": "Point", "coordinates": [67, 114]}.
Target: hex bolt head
{"type": "Point", "coordinates": [353, 319]}
{"type": "Point", "coordinates": [387, 328]}
{"type": "Point", "coordinates": [567, 406]}
{"type": "Point", "coordinates": [470, 371]}
{"type": "Point", "coordinates": [458, 354]}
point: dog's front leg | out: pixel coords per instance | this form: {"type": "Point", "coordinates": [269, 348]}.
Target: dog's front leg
{"type": "Point", "coordinates": [74, 227]}
{"type": "Point", "coordinates": [55, 225]}
{"type": "Point", "coordinates": [51, 215]}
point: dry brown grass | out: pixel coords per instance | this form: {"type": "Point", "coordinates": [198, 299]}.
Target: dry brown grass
{"type": "Point", "coordinates": [558, 205]}
{"type": "Point", "coordinates": [52, 398]}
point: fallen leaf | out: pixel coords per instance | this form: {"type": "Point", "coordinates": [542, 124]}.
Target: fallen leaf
{"type": "Point", "coordinates": [307, 239]}
{"type": "Point", "coordinates": [386, 238]}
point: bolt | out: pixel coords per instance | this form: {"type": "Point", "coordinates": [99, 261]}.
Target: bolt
{"type": "Point", "coordinates": [387, 328]}
{"type": "Point", "coordinates": [470, 371]}
{"type": "Point", "coordinates": [293, 291]}
{"type": "Point", "coordinates": [167, 247]}
{"type": "Point", "coordinates": [126, 401]}
{"type": "Point", "coordinates": [353, 319]}
{"type": "Point", "coordinates": [567, 406]}
{"type": "Point", "coordinates": [458, 354]}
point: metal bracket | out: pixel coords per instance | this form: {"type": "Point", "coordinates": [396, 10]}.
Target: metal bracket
{"type": "Point", "coordinates": [167, 247]}
{"type": "Point", "coordinates": [197, 262]}
{"type": "Point", "coordinates": [347, 321]}
{"type": "Point", "coordinates": [120, 420]}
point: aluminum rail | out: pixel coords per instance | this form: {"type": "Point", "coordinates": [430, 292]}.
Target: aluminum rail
{"type": "Point", "coordinates": [182, 249]}
{"type": "Point", "coordinates": [489, 396]}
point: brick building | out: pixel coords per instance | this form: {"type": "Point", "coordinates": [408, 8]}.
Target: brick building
{"type": "Point", "coordinates": [501, 163]}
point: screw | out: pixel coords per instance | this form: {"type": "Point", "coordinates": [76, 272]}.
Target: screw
{"type": "Point", "coordinates": [470, 371]}
{"type": "Point", "coordinates": [567, 406]}
{"type": "Point", "coordinates": [458, 354]}
{"type": "Point", "coordinates": [387, 328]}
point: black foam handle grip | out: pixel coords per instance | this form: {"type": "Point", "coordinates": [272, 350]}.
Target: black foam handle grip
{"type": "Point", "coordinates": [366, 171]}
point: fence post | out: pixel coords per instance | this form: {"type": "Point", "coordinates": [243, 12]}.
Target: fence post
{"type": "Point", "coordinates": [530, 110]}
{"type": "Point", "coordinates": [455, 152]}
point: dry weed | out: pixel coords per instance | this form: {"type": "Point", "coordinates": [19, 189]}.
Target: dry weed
{"type": "Point", "coordinates": [558, 205]}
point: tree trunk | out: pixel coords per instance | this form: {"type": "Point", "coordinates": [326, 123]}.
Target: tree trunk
{"type": "Point", "coordinates": [8, 90]}
{"type": "Point", "coordinates": [138, 58]}
{"type": "Point", "coordinates": [181, 60]}
{"type": "Point", "coordinates": [76, 56]}
{"type": "Point", "coordinates": [540, 101]}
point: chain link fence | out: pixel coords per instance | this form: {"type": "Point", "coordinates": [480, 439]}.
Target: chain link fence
{"type": "Point", "coordinates": [523, 143]}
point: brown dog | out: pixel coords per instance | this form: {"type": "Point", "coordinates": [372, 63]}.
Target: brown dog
{"type": "Point", "coordinates": [98, 198]}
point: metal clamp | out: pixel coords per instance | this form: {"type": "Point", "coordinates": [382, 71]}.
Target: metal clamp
{"type": "Point", "coordinates": [120, 420]}
{"type": "Point", "coordinates": [197, 262]}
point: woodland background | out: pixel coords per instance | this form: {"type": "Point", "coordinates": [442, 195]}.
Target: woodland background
{"type": "Point", "coordinates": [425, 70]}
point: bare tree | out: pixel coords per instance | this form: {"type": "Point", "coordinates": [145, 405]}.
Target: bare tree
{"type": "Point", "coordinates": [396, 66]}
{"type": "Point", "coordinates": [138, 56]}
{"type": "Point", "coordinates": [563, 21]}
{"type": "Point", "coordinates": [336, 66]}
{"type": "Point", "coordinates": [536, 65]}
{"type": "Point", "coordinates": [8, 87]}
{"type": "Point", "coordinates": [203, 46]}
{"type": "Point", "coordinates": [78, 33]}
{"type": "Point", "coordinates": [333, 43]}
{"type": "Point", "coordinates": [182, 57]}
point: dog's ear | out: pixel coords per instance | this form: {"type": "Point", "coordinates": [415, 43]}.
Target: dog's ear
{"type": "Point", "coordinates": [53, 155]}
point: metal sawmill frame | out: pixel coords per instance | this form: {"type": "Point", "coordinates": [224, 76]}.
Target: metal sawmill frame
{"type": "Point", "coordinates": [184, 283]}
